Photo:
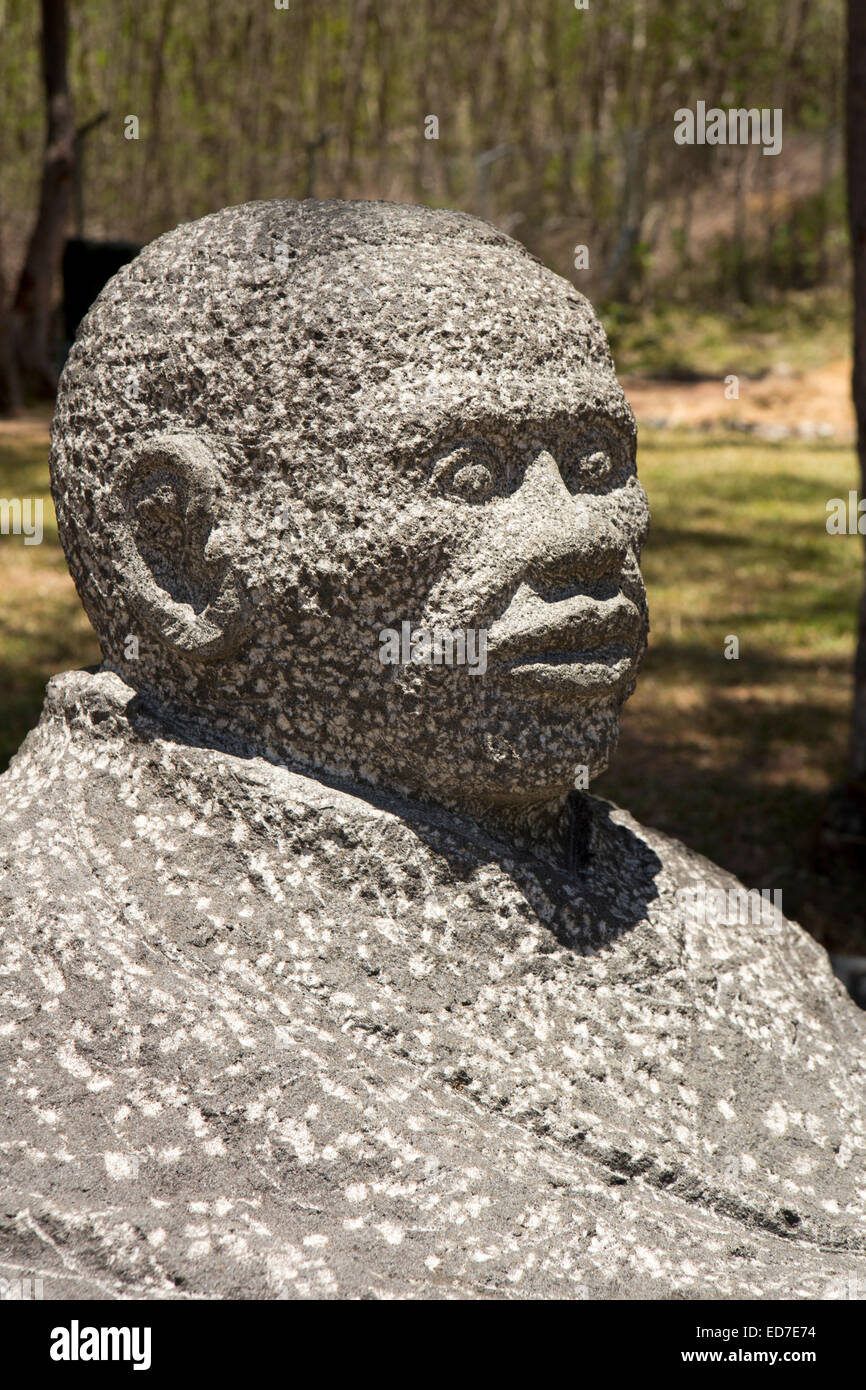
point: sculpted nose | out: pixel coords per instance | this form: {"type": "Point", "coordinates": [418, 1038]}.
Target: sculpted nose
{"type": "Point", "coordinates": [564, 536]}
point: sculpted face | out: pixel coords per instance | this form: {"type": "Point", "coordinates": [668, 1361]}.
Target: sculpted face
{"type": "Point", "coordinates": [303, 428]}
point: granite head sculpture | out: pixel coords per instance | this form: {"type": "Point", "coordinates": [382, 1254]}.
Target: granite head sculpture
{"type": "Point", "coordinates": [289, 430]}
{"type": "Point", "coordinates": [291, 993]}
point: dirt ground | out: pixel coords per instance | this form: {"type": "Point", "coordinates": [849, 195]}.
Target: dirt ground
{"type": "Point", "coordinates": [813, 404]}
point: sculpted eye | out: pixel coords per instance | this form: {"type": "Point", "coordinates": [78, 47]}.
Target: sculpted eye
{"type": "Point", "coordinates": [474, 482]}
{"type": "Point", "coordinates": [595, 463]}
{"type": "Point", "coordinates": [467, 471]}
{"type": "Point", "coordinates": [592, 465]}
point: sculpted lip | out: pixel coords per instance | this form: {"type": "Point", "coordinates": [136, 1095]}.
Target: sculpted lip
{"type": "Point", "coordinates": [579, 645]}
{"type": "Point", "coordinates": [585, 672]}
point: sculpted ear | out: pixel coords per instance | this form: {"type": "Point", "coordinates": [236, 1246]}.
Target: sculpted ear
{"type": "Point", "coordinates": [173, 574]}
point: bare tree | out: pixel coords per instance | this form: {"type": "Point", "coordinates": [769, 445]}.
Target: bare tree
{"type": "Point", "coordinates": [844, 826]}
{"type": "Point", "coordinates": [10, 390]}
{"type": "Point", "coordinates": [32, 308]}
{"type": "Point", "coordinates": [856, 141]}
{"type": "Point", "coordinates": [356, 47]}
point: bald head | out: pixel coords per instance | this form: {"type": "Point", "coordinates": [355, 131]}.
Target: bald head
{"type": "Point", "coordinates": [291, 428]}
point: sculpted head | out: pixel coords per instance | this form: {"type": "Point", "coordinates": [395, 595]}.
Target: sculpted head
{"type": "Point", "coordinates": [289, 429]}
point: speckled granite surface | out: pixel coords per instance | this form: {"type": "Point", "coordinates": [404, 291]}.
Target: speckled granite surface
{"type": "Point", "coordinates": [318, 976]}
{"type": "Point", "coordinates": [264, 1037]}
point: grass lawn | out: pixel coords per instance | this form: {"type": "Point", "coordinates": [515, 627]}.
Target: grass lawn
{"type": "Point", "coordinates": [734, 757]}
{"type": "Point", "coordinates": [43, 628]}
{"type": "Point", "coordinates": [805, 329]}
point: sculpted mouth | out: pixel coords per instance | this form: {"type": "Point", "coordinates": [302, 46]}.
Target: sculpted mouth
{"type": "Point", "coordinates": [585, 672]}
{"type": "Point", "coordinates": [579, 645]}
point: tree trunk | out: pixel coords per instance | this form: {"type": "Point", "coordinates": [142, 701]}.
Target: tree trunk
{"type": "Point", "coordinates": [10, 390]}
{"type": "Point", "coordinates": [32, 309]}
{"type": "Point", "coordinates": [353, 69]}
{"type": "Point", "coordinates": [856, 165]}
{"type": "Point", "coordinates": [843, 830]}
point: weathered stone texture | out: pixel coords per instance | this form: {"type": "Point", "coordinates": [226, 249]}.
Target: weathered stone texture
{"type": "Point", "coordinates": [317, 978]}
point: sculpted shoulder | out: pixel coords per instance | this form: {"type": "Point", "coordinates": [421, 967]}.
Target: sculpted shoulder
{"type": "Point", "coordinates": [585, 1007]}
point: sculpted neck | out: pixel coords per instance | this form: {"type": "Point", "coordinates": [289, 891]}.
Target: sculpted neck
{"type": "Point", "coordinates": [555, 829]}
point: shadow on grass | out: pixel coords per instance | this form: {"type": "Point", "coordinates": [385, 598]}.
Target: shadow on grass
{"type": "Point", "coordinates": [714, 754]}
{"type": "Point", "coordinates": [674, 660]}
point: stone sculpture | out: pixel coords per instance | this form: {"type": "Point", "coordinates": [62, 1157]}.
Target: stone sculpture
{"type": "Point", "coordinates": [320, 976]}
